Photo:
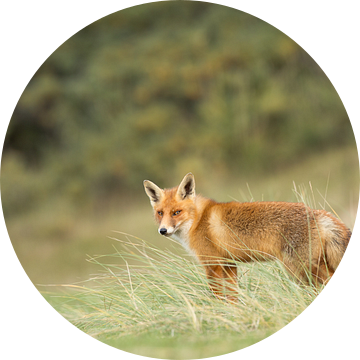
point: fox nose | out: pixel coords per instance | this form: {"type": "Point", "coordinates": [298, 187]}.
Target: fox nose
{"type": "Point", "coordinates": [163, 231]}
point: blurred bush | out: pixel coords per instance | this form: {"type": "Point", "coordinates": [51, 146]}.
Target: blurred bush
{"type": "Point", "coordinates": [161, 89]}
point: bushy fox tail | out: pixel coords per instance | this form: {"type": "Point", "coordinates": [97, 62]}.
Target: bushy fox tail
{"type": "Point", "coordinates": [335, 247]}
{"type": "Point", "coordinates": [335, 237]}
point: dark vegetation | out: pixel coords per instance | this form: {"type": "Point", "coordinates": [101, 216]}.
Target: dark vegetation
{"type": "Point", "coordinates": [158, 90]}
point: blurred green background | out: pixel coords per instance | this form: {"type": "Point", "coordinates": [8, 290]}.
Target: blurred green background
{"type": "Point", "coordinates": [153, 92]}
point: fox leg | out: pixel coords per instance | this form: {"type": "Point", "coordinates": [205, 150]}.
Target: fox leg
{"type": "Point", "coordinates": [300, 270]}
{"type": "Point", "coordinates": [231, 282]}
{"type": "Point", "coordinates": [223, 281]}
{"type": "Point", "coordinates": [321, 273]}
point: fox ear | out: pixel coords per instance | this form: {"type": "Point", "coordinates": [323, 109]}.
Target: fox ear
{"type": "Point", "coordinates": [186, 188]}
{"type": "Point", "coordinates": [153, 191]}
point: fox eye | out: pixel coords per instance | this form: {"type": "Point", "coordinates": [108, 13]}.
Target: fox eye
{"type": "Point", "coordinates": [160, 213]}
{"type": "Point", "coordinates": [177, 212]}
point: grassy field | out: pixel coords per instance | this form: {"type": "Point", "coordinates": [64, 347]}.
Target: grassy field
{"type": "Point", "coordinates": [152, 302]}
{"type": "Point", "coordinates": [148, 297]}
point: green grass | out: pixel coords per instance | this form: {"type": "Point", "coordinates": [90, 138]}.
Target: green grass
{"type": "Point", "coordinates": [152, 302]}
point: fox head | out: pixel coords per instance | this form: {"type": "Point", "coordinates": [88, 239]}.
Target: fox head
{"type": "Point", "coordinates": [173, 208]}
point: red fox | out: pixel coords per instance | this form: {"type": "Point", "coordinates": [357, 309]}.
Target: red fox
{"type": "Point", "coordinates": [219, 234]}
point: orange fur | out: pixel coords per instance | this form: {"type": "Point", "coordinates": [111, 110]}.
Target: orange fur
{"type": "Point", "coordinates": [218, 234]}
